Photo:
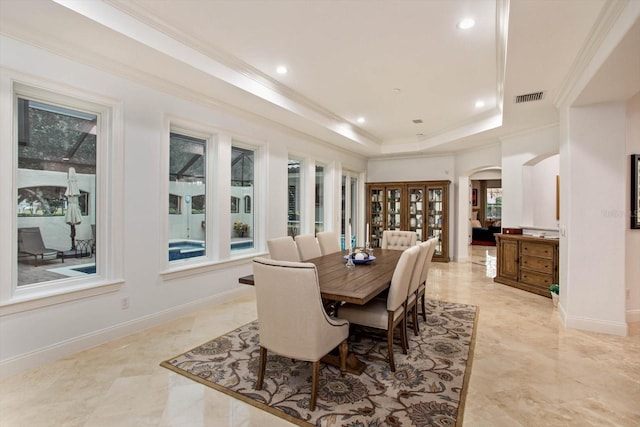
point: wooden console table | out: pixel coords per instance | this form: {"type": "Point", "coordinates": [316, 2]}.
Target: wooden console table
{"type": "Point", "coordinates": [527, 262]}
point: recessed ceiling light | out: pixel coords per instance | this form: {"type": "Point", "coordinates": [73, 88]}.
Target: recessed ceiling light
{"type": "Point", "coordinates": [479, 103]}
{"type": "Point", "coordinates": [360, 120]}
{"type": "Point", "coordinates": [281, 69]}
{"type": "Point", "coordinates": [466, 23]}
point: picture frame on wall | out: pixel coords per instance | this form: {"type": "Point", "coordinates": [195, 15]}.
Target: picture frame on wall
{"type": "Point", "coordinates": [474, 197]}
{"type": "Point", "coordinates": [635, 191]}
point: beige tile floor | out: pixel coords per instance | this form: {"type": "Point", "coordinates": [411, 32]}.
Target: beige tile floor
{"type": "Point", "coordinates": [528, 370]}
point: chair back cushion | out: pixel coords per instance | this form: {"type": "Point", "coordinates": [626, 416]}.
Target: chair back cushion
{"type": "Point", "coordinates": [283, 249]}
{"type": "Point", "coordinates": [433, 243]}
{"type": "Point", "coordinates": [398, 240]}
{"type": "Point", "coordinates": [291, 319]}
{"type": "Point", "coordinates": [425, 263]}
{"type": "Point", "coordinates": [401, 278]}
{"type": "Point", "coordinates": [329, 242]}
{"type": "Point", "coordinates": [417, 270]}
{"type": "Point", "coordinates": [308, 246]}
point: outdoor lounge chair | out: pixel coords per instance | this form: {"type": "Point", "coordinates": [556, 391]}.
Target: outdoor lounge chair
{"type": "Point", "coordinates": [30, 243]}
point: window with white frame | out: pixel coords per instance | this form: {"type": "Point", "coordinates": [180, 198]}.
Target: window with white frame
{"type": "Point", "coordinates": [187, 188]}
{"type": "Point", "coordinates": [319, 199]}
{"type": "Point", "coordinates": [494, 204]}
{"type": "Point", "coordinates": [294, 199]}
{"type": "Point", "coordinates": [56, 201]}
{"type": "Point", "coordinates": [68, 159]}
{"type": "Point", "coordinates": [242, 190]}
{"type": "Point", "coordinates": [349, 209]}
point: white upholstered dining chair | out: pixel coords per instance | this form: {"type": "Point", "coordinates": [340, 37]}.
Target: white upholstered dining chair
{"type": "Point", "coordinates": [412, 295]}
{"type": "Point", "coordinates": [329, 242]}
{"type": "Point", "coordinates": [398, 240]}
{"type": "Point", "coordinates": [424, 275]}
{"type": "Point", "coordinates": [283, 249]}
{"type": "Point", "coordinates": [390, 313]}
{"type": "Point", "coordinates": [291, 319]}
{"type": "Point", "coordinates": [308, 246]}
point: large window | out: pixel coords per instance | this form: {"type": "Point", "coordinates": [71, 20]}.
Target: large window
{"type": "Point", "coordinates": [294, 205]}
{"type": "Point", "coordinates": [56, 190]}
{"type": "Point", "coordinates": [242, 196]}
{"type": "Point", "coordinates": [349, 209]}
{"type": "Point", "coordinates": [494, 204]}
{"type": "Point", "coordinates": [187, 195]}
{"type": "Point", "coordinates": [319, 202]}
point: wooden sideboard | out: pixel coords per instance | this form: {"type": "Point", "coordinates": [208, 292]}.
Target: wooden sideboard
{"type": "Point", "coordinates": [527, 262]}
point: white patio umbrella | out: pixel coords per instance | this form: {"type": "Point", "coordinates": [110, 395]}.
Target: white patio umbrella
{"type": "Point", "coordinates": [74, 215]}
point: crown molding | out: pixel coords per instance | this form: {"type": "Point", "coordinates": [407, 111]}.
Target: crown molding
{"type": "Point", "coordinates": [607, 31]}
{"type": "Point", "coordinates": [147, 17]}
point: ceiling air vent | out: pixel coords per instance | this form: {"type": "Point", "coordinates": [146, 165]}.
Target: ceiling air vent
{"type": "Point", "coordinates": [529, 97]}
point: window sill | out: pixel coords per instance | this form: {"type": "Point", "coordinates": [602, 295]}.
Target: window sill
{"type": "Point", "coordinates": [34, 300]}
{"type": "Point", "coordinates": [207, 266]}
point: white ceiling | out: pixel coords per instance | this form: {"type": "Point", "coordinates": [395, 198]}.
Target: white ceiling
{"type": "Point", "coordinates": [345, 58]}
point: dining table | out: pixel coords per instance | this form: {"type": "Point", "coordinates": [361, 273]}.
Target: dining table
{"type": "Point", "coordinates": [357, 285]}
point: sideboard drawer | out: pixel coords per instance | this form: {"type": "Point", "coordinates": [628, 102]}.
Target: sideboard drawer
{"type": "Point", "coordinates": [532, 278]}
{"type": "Point", "coordinates": [542, 265]}
{"type": "Point", "coordinates": [537, 249]}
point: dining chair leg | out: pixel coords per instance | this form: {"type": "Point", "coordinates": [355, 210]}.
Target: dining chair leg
{"type": "Point", "coordinates": [344, 351]}
{"type": "Point", "coordinates": [314, 384]}
{"type": "Point", "coordinates": [424, 309]}
{"type": "Point", "coordinates": [390, 328]}
{"type": "Point", "coordinates": [414, 314]}
{"type": "Point", "coordinates": [404, 340]}
{"type": "Point", "coordinates": [261, 367]}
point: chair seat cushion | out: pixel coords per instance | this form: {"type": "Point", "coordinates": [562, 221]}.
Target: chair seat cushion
{"type": "Point", "coordinates": [373, 314]}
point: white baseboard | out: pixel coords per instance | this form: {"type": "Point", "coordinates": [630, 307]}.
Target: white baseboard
{"type": "Point", "coordinates": [23, 362]}
{"type": "Point", "coordinates": [595, 325]}
{"type": "Point", "coordinates": [633, 316]}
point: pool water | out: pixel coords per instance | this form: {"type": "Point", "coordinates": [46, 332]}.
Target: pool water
{"type": "Point", "coordinates": [179, 250]}
{"type": "Point", "coordinates": [91, 269]}
{"type": "Point", "coordinates": [182, 250]}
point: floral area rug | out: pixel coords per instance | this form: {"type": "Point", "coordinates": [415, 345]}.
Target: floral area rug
{"type": "Point", "coordinates": [427, 389]}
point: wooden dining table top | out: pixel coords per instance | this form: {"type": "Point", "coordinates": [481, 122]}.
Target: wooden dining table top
{"type": "Point", "coordinates": [358, 285]}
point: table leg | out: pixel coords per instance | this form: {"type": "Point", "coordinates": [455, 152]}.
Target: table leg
{"type": "Point", "coordinates": [354, 365]}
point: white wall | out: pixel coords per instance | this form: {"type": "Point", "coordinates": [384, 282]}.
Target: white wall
{"type": "Point", "coordinates": [517, 152]}
{"type": "Point", "coordinates": [632, 239]}
{"type": "Point", "coordinates": [41, 334]}
{"type": "Point", "coordinates": [539, 189]}
{"type": "Point", "coordinates": [414, 168]}
{"type": "Point", "coordinates": [593, 271]}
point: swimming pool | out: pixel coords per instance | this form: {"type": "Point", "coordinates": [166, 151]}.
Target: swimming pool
{"type": "Point", "coordinates": [90, 269]}
{"type": "Point", "coordinates": [177, 250]}
{"type": "Point", "coordinates": [185, 249]}
{"type": "Point", "coordinates": [194, 248]}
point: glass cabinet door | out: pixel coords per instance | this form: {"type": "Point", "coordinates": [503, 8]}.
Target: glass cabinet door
{"type": "Point", "coordinates": [436, 216]}
{"type": "Point", "coordinates": [394, 208]}
{"type": "Point", "coordinates": [376, 216]}
{"type": "Point", "coordinates": [415, 214]}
